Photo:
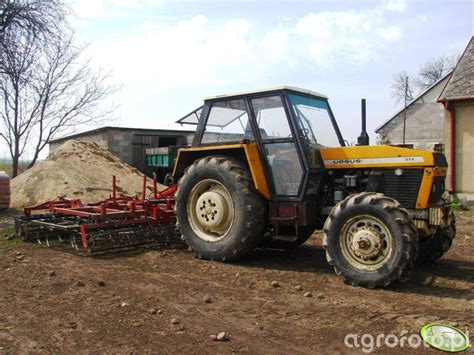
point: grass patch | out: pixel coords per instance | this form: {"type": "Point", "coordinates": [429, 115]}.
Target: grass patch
{"type": "Point", "coordinates": [6, 166]}
{"type": "Point", "coordinates": [7, 229]}
{"type": "Point", "coordinates": [8, 244]}
{"type": "Point", "coordinates": [11, 212]}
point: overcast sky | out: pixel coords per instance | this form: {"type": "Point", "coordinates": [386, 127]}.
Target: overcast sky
{"type": "Point", "coordinates": [169, 54]}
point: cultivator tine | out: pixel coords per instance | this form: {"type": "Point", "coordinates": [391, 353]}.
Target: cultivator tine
{"type": "Point", "coordinates": [102, 240]}
{"type": "Point", "coordinates": [49, 230]}
{"type": "Point", "coordinates": [118, 222]}
{"type": "Point", "coordinates": [97, 240]}
{"type": "Point", "coordinates": [76, 242]}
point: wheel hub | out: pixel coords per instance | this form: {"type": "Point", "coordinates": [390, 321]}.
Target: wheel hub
{"type": "Point", "coordinates": [210, 209]}
{"type": "Point", "coordinates": [367, 242]}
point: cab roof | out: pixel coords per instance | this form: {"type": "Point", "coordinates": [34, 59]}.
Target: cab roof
{"type": "Point", "coordinates": [193, 117]}
{"type": "Point", "coordinates": [258, 91]}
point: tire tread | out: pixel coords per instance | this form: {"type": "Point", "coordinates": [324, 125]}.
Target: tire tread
{"type": "Point", "coordinates": [409, 236]}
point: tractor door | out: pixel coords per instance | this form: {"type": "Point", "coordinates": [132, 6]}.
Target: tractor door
{"type": "Point", "coordinates": [278, 145]}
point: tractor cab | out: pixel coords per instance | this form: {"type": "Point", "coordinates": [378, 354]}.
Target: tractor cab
{"type": "Point", "coordinates": [288, 125]}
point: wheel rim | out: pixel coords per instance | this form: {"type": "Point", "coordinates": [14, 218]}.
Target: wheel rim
{"type": "Point", "coordinates": [366, 242]}
{"type": "Point", "coordinates": [210, 210]}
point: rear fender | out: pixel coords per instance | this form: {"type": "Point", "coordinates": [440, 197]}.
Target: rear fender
{"type": "Point", "coordinates": [246, 153]}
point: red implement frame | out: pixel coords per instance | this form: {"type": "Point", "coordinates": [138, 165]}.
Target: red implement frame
{"type": "Point", "coordinates": [114, 212]}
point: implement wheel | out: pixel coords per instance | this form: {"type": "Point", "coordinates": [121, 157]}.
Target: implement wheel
{"type": "Point", "coordinates": [218, 211]}
{"type": "Point", "coordinates": [370, 240]}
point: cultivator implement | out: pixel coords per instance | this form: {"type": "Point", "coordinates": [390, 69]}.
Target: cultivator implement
{"type": "Point", "coordinates": [117, 222]}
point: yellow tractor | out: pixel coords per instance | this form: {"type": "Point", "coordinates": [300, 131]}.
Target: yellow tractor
{"type": "Point", "coordinates": [269, 167]}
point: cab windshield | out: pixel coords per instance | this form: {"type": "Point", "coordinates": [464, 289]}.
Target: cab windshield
{"type": "Point", "coordinates": [313, 121]}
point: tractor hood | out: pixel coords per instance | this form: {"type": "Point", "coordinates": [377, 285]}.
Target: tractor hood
{"type": "Point", "coordinates": [379, 156]}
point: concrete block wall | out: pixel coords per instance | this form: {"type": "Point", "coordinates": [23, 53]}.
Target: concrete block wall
{"type": "Point", "coordinates": [424, 122]}
{"type": "Point", "coordinates": [120, 144]}
{"type": "Point", "coordinates": [99, 138]}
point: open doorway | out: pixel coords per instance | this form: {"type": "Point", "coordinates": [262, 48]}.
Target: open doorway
{"type": "Point", "coordinates": [167, 141]}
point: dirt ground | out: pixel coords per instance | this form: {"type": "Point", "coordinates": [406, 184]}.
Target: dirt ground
{"type": "Point", "coordinates": [55, 301]}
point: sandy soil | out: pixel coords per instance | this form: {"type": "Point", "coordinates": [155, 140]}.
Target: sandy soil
{"type": "Point", "coordinates": [53, 301]}
{"type": "Point", "coordinates": [76, 170]}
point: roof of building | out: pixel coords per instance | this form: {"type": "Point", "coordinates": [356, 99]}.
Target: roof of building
{"type": "Point", "coordinates": [411, 103]}
{"type": "Point", "coordinates": [276, 88]}
{"type": "Point", "coordinates": [461, 84]}
{"type": "Point", "coordinates": [106, 128]}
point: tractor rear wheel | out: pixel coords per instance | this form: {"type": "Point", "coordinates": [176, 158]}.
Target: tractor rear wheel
{"type": "Point", "coordinates": [370, 240]}
{"type": "Point", "coordinates": [434, 247]}
{"type": "Point", "coordinates": [218, 211]}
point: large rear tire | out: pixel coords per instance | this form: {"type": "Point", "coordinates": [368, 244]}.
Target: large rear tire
{"type": "Point", "coordinates": [219, 213]}
{"type": "Point", "coordinates": [370, 240]}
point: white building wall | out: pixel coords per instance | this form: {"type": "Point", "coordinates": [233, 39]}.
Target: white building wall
{"type": "Point", "coordinates": [424, 121]}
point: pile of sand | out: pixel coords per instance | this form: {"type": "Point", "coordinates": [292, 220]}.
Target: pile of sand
{"type": "Point", "coordinates": [76, 170]}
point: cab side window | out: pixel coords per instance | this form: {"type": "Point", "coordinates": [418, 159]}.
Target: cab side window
{"type": "Point", "coordinates": [227, 122]}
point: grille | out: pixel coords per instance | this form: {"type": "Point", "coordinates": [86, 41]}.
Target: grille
{"type": "Point", "coordinates": [437, 189]}
{"type": "Point", "coordinates": [403, 188]}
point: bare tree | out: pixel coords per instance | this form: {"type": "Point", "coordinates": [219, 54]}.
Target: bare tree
{"type": "Point", "coordinates": [433, 70]}
{"type": "Point", "coordinates": [403, 87]}
{"type": "Point", "coordinates": [46, 86]}
{"type": "Point", "coordinates": [383, 138]}
{"type": "Point", "coordinates": [39, 19]}
{"type": "Point", "coordinates": [45, 90]}
{"type": "Point", "coordinates": [406, 87]}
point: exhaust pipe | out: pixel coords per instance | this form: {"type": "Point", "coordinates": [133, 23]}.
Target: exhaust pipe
{"type": "Point", "coordinates": [363, 139]}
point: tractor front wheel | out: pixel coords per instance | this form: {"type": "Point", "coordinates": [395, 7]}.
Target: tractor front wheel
{"type": "Point", "coordinates": [218, 211]}
{"type": "Point", "coordinates": [435, 246]}
{"type": "Point", "coordinates": [370, 240]}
